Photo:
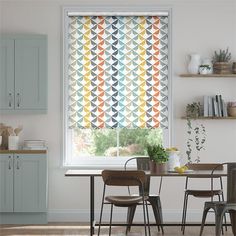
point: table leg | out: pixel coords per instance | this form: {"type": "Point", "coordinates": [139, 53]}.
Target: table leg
{"type": "Point", "coordinates": [91, 205]}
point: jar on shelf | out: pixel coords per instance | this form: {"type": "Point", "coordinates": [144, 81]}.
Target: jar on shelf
{"type": "Point", "coordinates": [194, 63]}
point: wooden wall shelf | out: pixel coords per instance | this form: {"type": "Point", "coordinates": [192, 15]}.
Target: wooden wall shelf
{"type": "Point", "coordinates": [209, 75]}
{"type": "Point", "coordinates": [211, 118]}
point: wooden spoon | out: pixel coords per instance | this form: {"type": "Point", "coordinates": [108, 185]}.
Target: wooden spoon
{"type": "Point", "coordinates": [17, 130]}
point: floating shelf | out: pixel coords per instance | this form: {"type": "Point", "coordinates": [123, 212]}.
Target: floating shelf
{"type": "Point", "coordinates": [209, 75]}
{"type": "Point", "coordinates": [211, 118]}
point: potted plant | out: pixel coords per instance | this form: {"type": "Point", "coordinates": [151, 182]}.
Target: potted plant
{"type": "Point", "coordinates": [193, 110]}
{"type": "Point", "coordinates": [204, 69]}
{"type": "Point", "coordinates": [158, 158]}
{"type": "Point", "coordinates": [232, 109]}
{"type": "Point", "coordinates": [221, 64]}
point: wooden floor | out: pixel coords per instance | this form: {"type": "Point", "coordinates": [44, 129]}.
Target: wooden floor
{"type": "Point", "coordinates": [58, 229]}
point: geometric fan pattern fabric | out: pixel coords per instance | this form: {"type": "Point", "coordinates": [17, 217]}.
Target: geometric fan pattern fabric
{"type": "Point", "coordinates": [118, 72]}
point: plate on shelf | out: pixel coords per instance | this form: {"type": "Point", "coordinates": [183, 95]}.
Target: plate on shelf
{"type": "Point", "coordinates": [174, 171]}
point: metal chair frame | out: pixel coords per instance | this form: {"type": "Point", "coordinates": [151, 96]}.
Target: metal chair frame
{"type": "Point", "coordinates": [153, 200]}
{"type": "Point", "coordinates": [201, 193]}
{"type": "Point", "coordinates": [124, 178]}
{"type": "Point", "coordinates": [222, 207]}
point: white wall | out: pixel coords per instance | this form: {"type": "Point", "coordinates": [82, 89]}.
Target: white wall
{"type": "Point", "coordinates": [197, 26]}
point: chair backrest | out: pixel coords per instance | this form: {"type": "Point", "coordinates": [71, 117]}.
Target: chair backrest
{"type": "Point", "coordinates": [231, 180]}
{"type": "Point", "coordinates": [123, 177]}
{"type": "Point", "coordinates": [204, 166]}
{"type": "Point", "coordinates": [142, 163]}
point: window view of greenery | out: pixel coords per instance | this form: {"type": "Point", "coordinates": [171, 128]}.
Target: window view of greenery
{"type": "Point", "coordinates": [114, 142]}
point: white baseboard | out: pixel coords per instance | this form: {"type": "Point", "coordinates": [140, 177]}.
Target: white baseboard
{"type": "Point", "coordinates": [169, 216]}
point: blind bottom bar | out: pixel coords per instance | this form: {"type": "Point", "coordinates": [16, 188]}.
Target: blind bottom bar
{"type": "Point", "coordinates": [117, 13]}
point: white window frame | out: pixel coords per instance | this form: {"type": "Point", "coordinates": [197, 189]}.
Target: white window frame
{"type": "Point", "coordinates": [102, 162]}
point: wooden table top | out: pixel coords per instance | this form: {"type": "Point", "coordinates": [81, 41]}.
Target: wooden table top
{"type": "Point", "coordinates": [195, 174]}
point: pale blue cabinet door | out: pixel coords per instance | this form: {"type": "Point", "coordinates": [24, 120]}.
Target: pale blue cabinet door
{"type": "Point", "coordinates": [31, 73]}
{"type": "Point", "coordinates": [6, 74]}
{"type": "Point", "coordinates": [6, 183]}
{"type": "Point", "coordinates": [30, 183]}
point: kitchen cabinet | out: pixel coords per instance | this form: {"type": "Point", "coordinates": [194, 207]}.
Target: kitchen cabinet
{"type": "Point", "coordinates": [23, 185]}
{"type": "Point", "coordinates": [23, 74]}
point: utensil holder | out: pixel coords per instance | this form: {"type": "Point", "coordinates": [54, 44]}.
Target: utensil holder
{"type": "Point", "coordinates": [13, 142]}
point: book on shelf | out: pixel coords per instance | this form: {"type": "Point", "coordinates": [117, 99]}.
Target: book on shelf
{"type": "Point", "coordinates": [214, 106]}
{"type": "Point", "coordinates": [205, 106]}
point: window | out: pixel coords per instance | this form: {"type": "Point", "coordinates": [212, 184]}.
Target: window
{"type": "Point", "coordinates": [116, 86]}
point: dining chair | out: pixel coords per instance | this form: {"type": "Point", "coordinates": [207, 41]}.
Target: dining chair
{"type": "Point", "coordinates": [201, 193]}
{"type": "Point", "coordinates": [142, 163]}
{"type": "Point", "coordinates": [220, 207]}
{"type": "Point", "coordinates": [124, 178]}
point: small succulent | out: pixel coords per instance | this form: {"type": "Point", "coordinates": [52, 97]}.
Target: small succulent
{"type": "Point", "coordinates": [222, 56]}
{"type": "Point", "coordinates": [208, 67]}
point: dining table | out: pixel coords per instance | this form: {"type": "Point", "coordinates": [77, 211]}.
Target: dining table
{"type": "Point", "coordinates": [91, 174]}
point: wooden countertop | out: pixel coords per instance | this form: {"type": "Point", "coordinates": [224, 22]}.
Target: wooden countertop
{"type": "Point", "coordinates": [23, 151]}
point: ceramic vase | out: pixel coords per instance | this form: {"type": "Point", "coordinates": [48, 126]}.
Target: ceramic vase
{"type": "Point", "coordinates": [173, 160]}
{"type": "Point", "coordinates": [13, 142]}
{"type": "Point", "coordinates": [194, 63]}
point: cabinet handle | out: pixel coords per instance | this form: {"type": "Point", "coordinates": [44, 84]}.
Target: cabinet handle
{"type": "Point", "coordinates": [10, 99]}
{"type": "Point", "coordinates": [9, 162]}
{"type": "Point", "coordinates": [17, 163]}
{"type": "Point", "coordinates": [18, 99]}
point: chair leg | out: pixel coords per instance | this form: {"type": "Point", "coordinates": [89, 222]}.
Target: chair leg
{"type": "Point", "coordinates": [219, 213]}
{"type": "Point", "coordinates": [130, 217]}
{"type": "Point", "coordinates": [157, 210]}
{"type": "Point", "coordinates": [148, 222]}
{"type": "Point", "coordinates": [184, 212]}
{"type": "Point", "coordinates": [110, 219]}
{"type": "Point", "coordinates": [100, 219]}
{"type": "Point", "coordinates": [205, 211]}
{"type": "Point", "coordinates": [144, 218]}
{"type": "Point", "coordinates": [223, 199]}
{"type": "Point", "coordinates": [222, 227]}
{"type": "Point", "coordinates": [233, 221]}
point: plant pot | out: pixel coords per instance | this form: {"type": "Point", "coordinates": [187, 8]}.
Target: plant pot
{"type": "Point", "coordinates": [232, 111]}
{"type": "Point", "coordinates": [222, 68]}
{"type": "Point", "coordinates": [157, 167]}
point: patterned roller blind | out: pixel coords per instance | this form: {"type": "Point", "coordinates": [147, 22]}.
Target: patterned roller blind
{"type": "Point", "coordinates": [118, 72]}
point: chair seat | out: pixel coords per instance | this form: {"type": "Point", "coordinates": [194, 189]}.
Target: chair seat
{"type": "Point", "coordinates": [225, 204]}
{"type": "Point", "coordinates": [203, 193]}
{"type": "Point", "coordinates": [124, 200]}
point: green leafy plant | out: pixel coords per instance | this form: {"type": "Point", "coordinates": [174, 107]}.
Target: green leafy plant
{"type": "Point", "coordinates": [221, 56]}
{"type": "Point", "coordinates": [157, 153]}
{"type": "Point", "coordinates": [193, 110]}
{"type": "Point", "coordinates": [205, 66]}
{"type": "Point", "coordinates": [196, 140]}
